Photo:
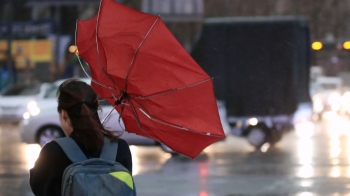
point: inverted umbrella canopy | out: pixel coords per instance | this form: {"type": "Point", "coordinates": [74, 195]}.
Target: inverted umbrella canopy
{"type": "Point", "coordinates": [140, 68]}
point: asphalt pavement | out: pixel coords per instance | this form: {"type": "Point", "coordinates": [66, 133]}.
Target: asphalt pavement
{"type": "Point", "coordinates": [297, 166]}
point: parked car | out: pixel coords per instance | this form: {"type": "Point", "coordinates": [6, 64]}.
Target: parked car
{"type": "Point", "coordinates": [45, 126]}
{"type": "Point", "coordinates": [327, 95]}
{"type": "Point", "coordinates": [19, 101]}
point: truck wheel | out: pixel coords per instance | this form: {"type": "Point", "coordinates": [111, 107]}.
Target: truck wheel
{"type": "Point", "coordinates": [257, 135]}
{"type": "Point", "coordinates": [275, 137]}
{"type": "Point", "coordinates": [49, 133]}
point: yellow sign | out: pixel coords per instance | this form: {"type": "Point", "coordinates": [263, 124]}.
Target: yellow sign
{"type": "Point", "coordinates": [42, 51]}
{"type": "Point", "coordinates": [3, 45]}
{"type": "Point", "coordinates": [3, 48]}
{"type": "Point", "coordinates": [34, 50]}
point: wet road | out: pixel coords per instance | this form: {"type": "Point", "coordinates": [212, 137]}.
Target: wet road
{"type": "Point", "coordinates": [297, 166]}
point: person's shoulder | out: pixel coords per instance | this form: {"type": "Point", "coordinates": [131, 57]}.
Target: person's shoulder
{"type": "Point", "coordinates": [52, 147]}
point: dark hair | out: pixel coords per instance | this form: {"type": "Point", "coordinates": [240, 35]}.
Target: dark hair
{"type": "Point", "coordinates": [81, 103]}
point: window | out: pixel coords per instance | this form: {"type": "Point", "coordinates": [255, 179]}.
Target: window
{"type": "Point", "coordinates": [51, 92]}
{"type": "Point", "coordinates": [175, 10]}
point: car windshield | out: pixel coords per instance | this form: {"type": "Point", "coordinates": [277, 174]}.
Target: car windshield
{"type": "Point", "coordinates": [21, 90]}
{"type": "Point", "coordinates": [51, 92]}
{"type": "Point", "coordinates": [329, 86]}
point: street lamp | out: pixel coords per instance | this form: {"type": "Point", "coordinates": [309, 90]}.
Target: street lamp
{"type": "Point", "coordinates": [73, 49]}
{"type": "Point", "coordinates": [346, 45]}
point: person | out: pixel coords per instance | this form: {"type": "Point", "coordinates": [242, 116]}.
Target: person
{"type": "Point", "coordinates": [78, 115]}
{"type": "Point", "coordinates": [69, 66]}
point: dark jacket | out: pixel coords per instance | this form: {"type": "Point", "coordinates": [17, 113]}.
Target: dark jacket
{"type": "Point", "coordinates": [46, 175]}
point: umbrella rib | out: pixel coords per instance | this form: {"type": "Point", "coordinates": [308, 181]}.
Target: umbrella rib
{"type": "Point", "coordinates": [175, 126]}
{"type": "Point", "coordinates": [136, 52]}
{"type": "Point", "coordinates": [171, 90]}
{"type": "Point", "coordinates": [103, 85]}
{"type": "Point", "coordinates": [170, 124]}
{"type": "Point", "coordinates": [81, 64]}
{"type": "Point", "coordinates": [134, 113]}
{"type": "Point", "coordinates": [98, 51]}
{"type": "Point", "coordinates": [107, 117]}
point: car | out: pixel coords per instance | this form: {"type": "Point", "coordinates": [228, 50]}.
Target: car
{"type": "Point", "coordinates": [19, 101]}
{"type": "Point", "coordinates": [45, 126]}
{"type": "Point", "coordinates": [326, 95]}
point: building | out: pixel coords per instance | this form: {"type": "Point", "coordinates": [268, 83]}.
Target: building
{"type": "Point", "coordinates": [55, 20]}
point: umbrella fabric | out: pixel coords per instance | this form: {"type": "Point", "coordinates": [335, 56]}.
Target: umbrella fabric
{"type": "Point", "coordinates": [166, 96]}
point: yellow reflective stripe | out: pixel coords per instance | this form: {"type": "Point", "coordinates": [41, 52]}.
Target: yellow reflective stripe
{"type": "Point", "coordinates": [125, 177]}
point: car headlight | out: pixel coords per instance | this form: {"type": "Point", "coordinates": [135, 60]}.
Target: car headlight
{"type": "Point", "coordinates": [345, 100]}
{"type": "Point", "coordinates": [334, 98]}
{"type": "Point", "coordinates": [304, 128]}
{"type": "Point", "coordinates": [252, 121]}
{"type": "Point", "coordinates": [26, 115]}
{"type": "Point", "coordinates": [334, 101]}
{"type": "Point", "coordinates": [346, 96]}
{"type": "Point", "coordinates": [318, 103]}
{"type": "Point", "coordinates": [33, 108]}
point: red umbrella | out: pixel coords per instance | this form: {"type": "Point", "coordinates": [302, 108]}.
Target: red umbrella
{"type": "Point", "coordinates": [140, 68]}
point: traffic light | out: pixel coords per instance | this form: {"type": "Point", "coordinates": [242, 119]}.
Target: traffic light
{"type": "Point", "coordinates": [346, 45]}
{"type": "Point", "coordinates": [317, 45]}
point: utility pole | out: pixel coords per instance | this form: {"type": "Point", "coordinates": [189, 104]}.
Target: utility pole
{"type": "Point", "coordinates": [57, 44]}
{"type": "Point", "coordinates": [11, 75]}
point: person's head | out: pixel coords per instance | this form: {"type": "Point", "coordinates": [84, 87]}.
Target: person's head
{"type": "Point", "coordinates": [78, 110]}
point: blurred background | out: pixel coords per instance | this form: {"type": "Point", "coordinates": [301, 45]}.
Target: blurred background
{"type": "Point", "coordinates": [40, 31]}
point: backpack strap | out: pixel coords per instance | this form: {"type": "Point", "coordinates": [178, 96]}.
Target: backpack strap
{"type": "Point", "coordinates": [109, 150]}
{"type": "Point", "coordinates": [71, 148]}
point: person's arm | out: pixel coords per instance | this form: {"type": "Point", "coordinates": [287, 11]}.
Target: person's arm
{"type": "Point", "coordinates": [124, 155]}
{"type": "Point", "coordinates": [46, 175]}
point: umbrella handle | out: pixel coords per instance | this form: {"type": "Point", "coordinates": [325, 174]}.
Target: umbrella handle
{"type": "Point", "coordinates": [122, 97]}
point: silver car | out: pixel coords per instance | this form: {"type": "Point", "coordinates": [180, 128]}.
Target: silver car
{"type": "Point", "coordinates": [45, 126]}
{"type": "Point", "coordinates": [19, 101]}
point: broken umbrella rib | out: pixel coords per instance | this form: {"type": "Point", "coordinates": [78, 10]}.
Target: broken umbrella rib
{"type": "Point", "coordinates": [168, 91]}
{"type": "Point", "coordinates": [143, 111]}
{"type": "Point", "coordinates": [108, 116]}
{"type": "Point", "coordinates": [98, 51]}
{"type": "Point", "coordinates": [92, 80]}
{"type": "Point", "coordinates": [123, 103]}
{"type": "Point", "coordinates": [136, 52]}
{"type": "Point", "coordinates": [81, 65]}
{"type": "Point", "coordinates": [158, 93]}
{"type": "Point", "coordinates": [134, 113]}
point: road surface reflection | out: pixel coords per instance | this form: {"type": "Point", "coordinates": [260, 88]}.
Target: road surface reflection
{"type": "Point", "coordinates": [305, 164]}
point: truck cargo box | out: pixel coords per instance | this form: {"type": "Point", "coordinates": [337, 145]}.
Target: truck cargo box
{"type": "Point", "coordinates": [260, 65]}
